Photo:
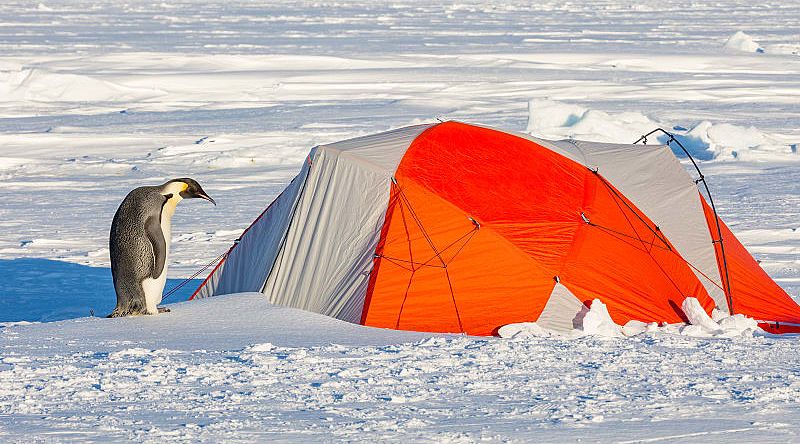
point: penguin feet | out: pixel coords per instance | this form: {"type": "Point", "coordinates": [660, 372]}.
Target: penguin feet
{"type": "Point", "coordinates": [123, 314]}
{"type": "Point", "coordinates": [163, 310]}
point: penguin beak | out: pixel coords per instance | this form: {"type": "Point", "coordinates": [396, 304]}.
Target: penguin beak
{"type": "Point", "coordinates": [206, 197]}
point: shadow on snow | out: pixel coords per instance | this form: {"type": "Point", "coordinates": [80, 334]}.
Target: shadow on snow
{"type": "Point", "coordinates": [45, 290]}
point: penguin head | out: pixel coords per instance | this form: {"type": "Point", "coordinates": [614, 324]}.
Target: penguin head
{"type": "Point", "coordinates": [189, 189]}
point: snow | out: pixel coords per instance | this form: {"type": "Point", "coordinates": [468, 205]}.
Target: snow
{"type": "Point", "coordinates": [742, 42]}
{"type": "Point", "coordinates": [598, 322]}
{"type": "Point", "coordinates": [697, 316]}
{"type": "Point", "coordinates": [235, 368]}
{"type": "Point", "coordinates": [726, 141]}
{"type": "Point", "coordinates": [555, 120]}
{"type": "Point", "coordinates": [529, 329]}
{"type": "Point", "coordinates": [704, 140]}
{"type": "Point", "coordinates": [99, 97]}
{"type": "Point", "coordinates": [700, 324]}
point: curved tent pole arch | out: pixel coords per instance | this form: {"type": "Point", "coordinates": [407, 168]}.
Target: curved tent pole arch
{"type": "Point", "coordinates": [670, 139]}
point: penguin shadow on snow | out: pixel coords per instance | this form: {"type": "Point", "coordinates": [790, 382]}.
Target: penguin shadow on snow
{"type": "Point", "coordinates": [44, 290]}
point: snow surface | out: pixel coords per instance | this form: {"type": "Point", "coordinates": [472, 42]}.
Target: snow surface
{"type": "Point", "coordinates": [288, 375]}
{"type": "Point", "coordinates": [598, 322]}
{"type": "Point", "coordinates": [704, 140]}
{"type": "Point", "coordinates": [99, 97]}
{"type": "Point", "coordinates": [742, 42]}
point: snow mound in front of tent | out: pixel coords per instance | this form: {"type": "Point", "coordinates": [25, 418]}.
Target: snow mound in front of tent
{"type": "Point", "coordinates": [598, 323]}
{"type": "Point", "coordinates": [704, 140]}
{"type": "Point", "coordinates": [594, 322]}
{"type": "Point", "coordinates": [218, 323]}
{"type": "Point", "coordinates": [703, 325]}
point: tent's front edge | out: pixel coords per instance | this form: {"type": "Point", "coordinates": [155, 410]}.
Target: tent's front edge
{"type": "Point", "coordinates": [337, 213]}
{"type": "Point", "coordinates": [248, 262]}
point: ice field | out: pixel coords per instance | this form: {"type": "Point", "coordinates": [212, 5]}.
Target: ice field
{"type": "Point", "coordinates": [99, 97]}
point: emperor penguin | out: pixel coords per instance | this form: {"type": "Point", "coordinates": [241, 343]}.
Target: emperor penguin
{"type": "Point", "coordinates": [139, 244]}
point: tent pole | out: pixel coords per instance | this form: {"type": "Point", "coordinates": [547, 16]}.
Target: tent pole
{"type": "Point", "coordinates": [727, 286]}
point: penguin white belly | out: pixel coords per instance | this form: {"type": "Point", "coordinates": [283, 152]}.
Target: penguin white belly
{"type": "Point", "coordinates": [153, 292]}
{"type": "Point", "coordinates": [154, 288]}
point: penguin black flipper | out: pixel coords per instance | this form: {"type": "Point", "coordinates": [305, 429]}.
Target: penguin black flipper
{"type": "Point", "coordinates": [152, 227]}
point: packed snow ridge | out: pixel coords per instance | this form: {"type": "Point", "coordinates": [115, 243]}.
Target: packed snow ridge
{"type": "Point", "coordinates": [551, 119]}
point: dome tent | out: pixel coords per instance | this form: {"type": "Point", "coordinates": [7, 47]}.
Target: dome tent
{"type": "Point", "coordinates": [453, 227]}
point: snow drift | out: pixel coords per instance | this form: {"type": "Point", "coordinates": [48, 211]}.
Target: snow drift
{"type": "Point", "coordinates": [32, 84]}
{"type": "Point", "coordinates": [704, 140]}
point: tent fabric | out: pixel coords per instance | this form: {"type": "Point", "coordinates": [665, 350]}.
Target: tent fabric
{"type": "Point", "coordinates": [563, 311]}
{"type": "Point", "coordinates": [666, 194]}
{"type": "Point", "coordinates": [246, 267]}
{"type": "Point", "coordinates": [460, 228]}
{"type": "Point", "coordinates": [381, 152]}
{"type": "Point", "coordinates": [752, 291]}
{"type": "Point", "coordinates": [324, 265]}
{"type": "Point", "coordinates": [261, 253]}
{"type": "Point", "coordinates": [539, 203]}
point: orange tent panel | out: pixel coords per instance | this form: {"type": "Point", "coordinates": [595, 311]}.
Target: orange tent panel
{"type": "Point", "coordinates": [437, 271]}
{"type": "Point", "coordinates": [753, 292]}
{"type": "Point", "coordinates": [622, 258]}
{"type": "Point", "coordinates": [541, 216]}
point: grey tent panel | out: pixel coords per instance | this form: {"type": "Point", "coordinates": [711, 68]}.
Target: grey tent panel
{"type": "Point", "coordinates": [248, 264]}
{"type": "Point", "coordinates": [561, 310]}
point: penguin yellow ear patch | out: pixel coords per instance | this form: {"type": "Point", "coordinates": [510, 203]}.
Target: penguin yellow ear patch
{"type": "Point", "coordinates": [185, 186]}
